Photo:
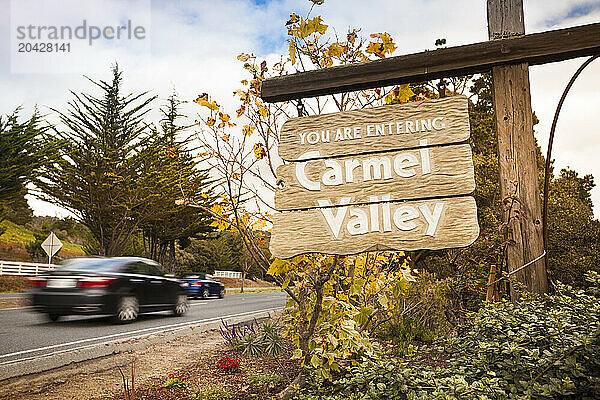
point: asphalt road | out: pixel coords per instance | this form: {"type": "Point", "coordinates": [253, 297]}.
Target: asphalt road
{"type": "Point", "coordinates": [25, 334]}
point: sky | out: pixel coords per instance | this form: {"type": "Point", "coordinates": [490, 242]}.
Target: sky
{"type": "Point", "coordinates": [190, 46]}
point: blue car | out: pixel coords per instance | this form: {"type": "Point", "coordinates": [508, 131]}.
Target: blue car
{"type": "Point", "coordinates": [200, 285]}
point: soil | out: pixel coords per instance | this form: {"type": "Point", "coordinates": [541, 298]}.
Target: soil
{"type": "Point", "coordinates": [193, 357]}
{"type": "Point", "coordinates": [100, 378]}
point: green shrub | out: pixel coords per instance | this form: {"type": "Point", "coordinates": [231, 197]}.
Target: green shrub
{"type": "Point", "coordinates": [253, 338]}
{"type": "Point", "coordinates": [403, 333]}
{"type": "Point", "coordinates": [175, 382]}
{"type": "Point", "coordinates": [264, 382]}
{"type": "Point", "coordinates": [543, 348]}
{"type": "Point", "coordinates": [211, 392]}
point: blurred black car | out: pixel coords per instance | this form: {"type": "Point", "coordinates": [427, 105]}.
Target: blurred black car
{"type": "Point", "coordinates": [199, 285]}
{"type": "Point", "coordinates": [120, 286]}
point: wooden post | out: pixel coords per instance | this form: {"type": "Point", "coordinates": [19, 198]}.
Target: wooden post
{"type": "Point", "coordinates": [517, 152]}
{"type": "Point", "coordinates": [491, 285]}
{"type": "Point", "coordinates": [244, 275]}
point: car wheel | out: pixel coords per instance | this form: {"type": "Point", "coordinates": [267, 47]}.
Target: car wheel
{"type": "Point", "coordinates": [127, 309]}
{"type": "Point", "coordinates": [205, 293]}
{"type": "Point", "coordinates": [181, 306]}
{"type": "Point", "coordinates": [54, 317]}
{"type": "Point", "coordinates": [222, 293]}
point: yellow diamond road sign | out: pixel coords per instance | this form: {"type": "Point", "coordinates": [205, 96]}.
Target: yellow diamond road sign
{"type": "Point", "coordinates": [51, 245]}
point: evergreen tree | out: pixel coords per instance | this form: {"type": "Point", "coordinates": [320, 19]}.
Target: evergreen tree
{"type": "Point", "coordinates": [100, 174]}
{"type": "Point", "coordinates": [573, 232]}
{"type": "Point", "coordinates": [22, 155]}
{"type": "Point", "coordinates": [171, 172]}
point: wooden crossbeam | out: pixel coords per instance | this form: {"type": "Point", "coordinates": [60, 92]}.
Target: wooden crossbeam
{"type": "Point", "coordinates": [534, 49]}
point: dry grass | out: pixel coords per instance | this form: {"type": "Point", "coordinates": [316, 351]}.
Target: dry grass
{"type": "Point", "coordinates": [13, 284]}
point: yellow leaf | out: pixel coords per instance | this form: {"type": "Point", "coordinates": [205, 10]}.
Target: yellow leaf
{"type": "Point", "coordinates": [210, 121]}
{"type": "Point", "coordinates": [247, 130]}
{"type": "Point", "coordinates": [292, 50]}
{"type": "Point", "coordinates": [375, 48]}
{"type": "Point", "coordinates": [204, 102]}
{"type": "Point", "coordinates": [203, 96]}
{"type": "Point", "coordinates": [351, 36]}
{"type": "Point", "coordinates": [225, 137]}
{"type": "Point", "coordinates": [400, 94]}
{"type": "Point", "coordinates": [259, 151]}
{"type": "Point", "coordinates": [243, 57]}
{"type": "Point", "coordinates": [262, 110]}
{"type": "Point", "coordinates": [317, 26]}
{"type": "Point", "coordinates": [259, 224]}
{"type": "Point", "coordinates": [380, 49]}
{"type": "Point", "coordinates": [277, 267]}
{"type": "Point", "coordinates": [240, 111]}
{"type": "Point", "coordinates": [335, 50]}
{"type": "Point", "coordinates": [223, 117]}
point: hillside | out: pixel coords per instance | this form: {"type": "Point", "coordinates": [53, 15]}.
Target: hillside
{"type": "Point", "coordinates": [15, 237]}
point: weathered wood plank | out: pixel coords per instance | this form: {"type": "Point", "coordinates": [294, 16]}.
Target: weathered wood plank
{"type": "Point", "coordinates": [376, 129]}
{"type": "Point", "coordinates": [505, 19]}
{"type": "Point", "coordinates": [412, 174]}
{"type": "Point", "coordinates": [538, 48]}
{"type": "Point", "coordinates": [517, 154]}
{"type": "Point", "coordinates": [389, 226]}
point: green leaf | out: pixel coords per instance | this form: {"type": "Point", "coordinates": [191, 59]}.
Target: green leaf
{"type": "Point", "coordinates": [315, 361]}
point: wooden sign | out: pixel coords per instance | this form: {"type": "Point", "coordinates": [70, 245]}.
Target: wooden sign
{"type": "Point", "coordinates": [384, 128]}
{"type": "Point", "coordinates": [351, 173]}
{"type": "Point", "coordinates": [425, 224]}
{"type": "Point", "coordinates": [407, 174]}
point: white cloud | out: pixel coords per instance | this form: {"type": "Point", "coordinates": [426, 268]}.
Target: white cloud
{"type": "Point", "coordinates": [194, 45]}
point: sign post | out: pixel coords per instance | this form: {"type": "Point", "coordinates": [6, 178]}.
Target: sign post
{"type": "Point", "coordinates": [507, 56]}
{"type": "Point", "coordinates": [517, 156]}
{"type": "Point", "coordinates": [51, 246]}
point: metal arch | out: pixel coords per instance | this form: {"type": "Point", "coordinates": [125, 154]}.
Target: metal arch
{"type": "Point", "coordinates": [549, 156]}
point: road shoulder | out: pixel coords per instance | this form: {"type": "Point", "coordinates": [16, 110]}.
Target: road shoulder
{"type": "Point", "coordinates": [100, 378]}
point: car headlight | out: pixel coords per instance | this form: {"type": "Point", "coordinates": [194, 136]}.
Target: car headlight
{"type": "Point", "coordinates": [185, 284]}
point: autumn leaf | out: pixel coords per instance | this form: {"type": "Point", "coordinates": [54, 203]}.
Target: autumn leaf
{"type": "Point", "coordinates": [240, 111]}
{"type": "Point", "coordinates": [317, 26]}
{"type": "Point", "coordinates": [293, 19]}
{"type": "Point", "coordinates": [308, 27]}
{"type": "Point", "coordinates": [203, 96]}
{"type": "Point", "coordinates": [380, 49]}
{"type": "Point", "coordinates": [224, 117]}
{"type": "Point", "coordinates": [259, 151]}
{"type": "Point", "coordinates": [375, 48]}
{"type": "Point", "coordinates": [247, 130]}
{"type": "Point", "coordinates": [203, 101]}
{"type": "Point", "coordinates": [292, 50]}
{"type": "Point", "coordinates": [262, 110]}
{"type": "Point", "coordinates": [210, 121]}
{"type": "Point", "coordinates": [243, 57]}
{"type": "Point", "coordinates": [400, 94]}
{"type": "Point", "coordinates": [336, 50]}
{"type": "Point", "coordinates": [259, 224]}
{"type": "Point", "coordinates": [351, 36]}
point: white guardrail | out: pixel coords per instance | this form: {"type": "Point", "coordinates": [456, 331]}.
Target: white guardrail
{"type": "Point", "coordinates": [227, 274]}
{"type": "Point", "coordinates": [23, 268]}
